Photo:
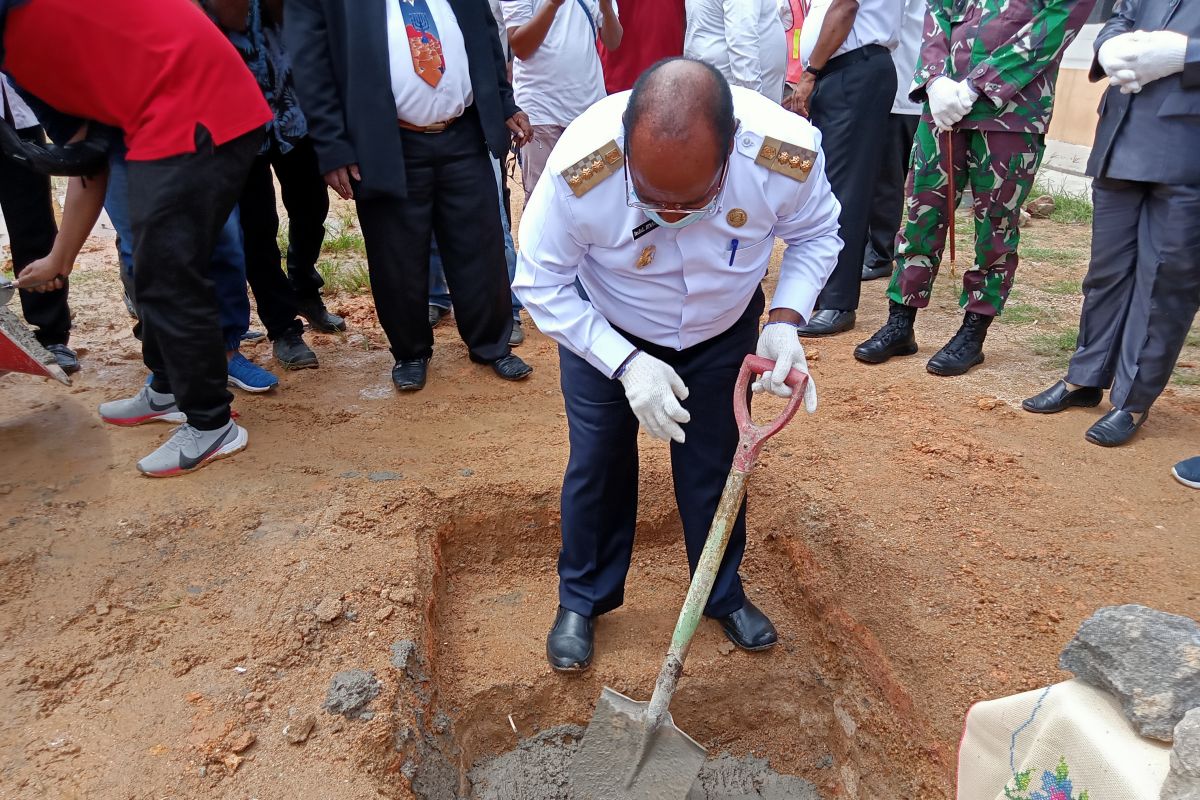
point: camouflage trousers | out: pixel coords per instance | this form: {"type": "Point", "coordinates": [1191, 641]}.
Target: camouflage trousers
{"type": "Point", "coordinates": [1000, 167]}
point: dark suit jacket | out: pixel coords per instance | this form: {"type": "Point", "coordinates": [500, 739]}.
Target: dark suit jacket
{"type": "Point", "coordinates": [339, 52]}
{"type": "Point", "coordinates": [1152, 136]}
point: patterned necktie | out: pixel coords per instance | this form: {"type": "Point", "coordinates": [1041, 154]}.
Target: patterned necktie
{"type": "Point", "coordinates": [423, 41]}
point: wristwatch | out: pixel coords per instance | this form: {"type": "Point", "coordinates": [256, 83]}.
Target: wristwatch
{"type": "Point", "coordinates": [814, 71]}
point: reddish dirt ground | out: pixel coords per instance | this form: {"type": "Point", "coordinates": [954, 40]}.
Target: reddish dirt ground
{"type": "Point", "coordinates": [921, 542]}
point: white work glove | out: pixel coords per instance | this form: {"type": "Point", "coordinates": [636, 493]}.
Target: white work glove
{"type": "Point", "coordinates": [780, 343]}
{"type": "Point", "coordinates": [949, 101]}
{"type": "Point", "coordinates": [1134, 59]}
{"type": "Point", "coordinates": [651, 387]}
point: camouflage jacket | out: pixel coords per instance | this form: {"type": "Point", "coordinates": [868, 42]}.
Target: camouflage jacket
{"type": "Point", "coordinates": [1009, 49]}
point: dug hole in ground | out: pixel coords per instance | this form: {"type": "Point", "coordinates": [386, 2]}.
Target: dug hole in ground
{"type": "Point", "coordinates": [920, 542]}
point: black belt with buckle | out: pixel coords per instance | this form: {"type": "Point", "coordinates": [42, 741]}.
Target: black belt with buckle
{"type": "Point", "coordinates": [853, 57]}
{"type": "Point", "coordinates": [436, 127]}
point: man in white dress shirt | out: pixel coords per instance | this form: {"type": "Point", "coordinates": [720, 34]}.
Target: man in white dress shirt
{"type": "Point", "coordinates": [642, 253]}
{"type": "Point", "coordinates": [744, 39]}
{"type": "Point", "coordinates": [846, 90]}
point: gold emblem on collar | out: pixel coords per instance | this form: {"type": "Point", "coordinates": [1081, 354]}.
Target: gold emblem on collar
{"type": "Point", "coordinates": [646, 257]}
{"type": "Point", "coordinates": [589, 171]}
{"type": "Point", "coordinates": [736, 217]}
{"type": "Point", "coordinates": [785, 158]}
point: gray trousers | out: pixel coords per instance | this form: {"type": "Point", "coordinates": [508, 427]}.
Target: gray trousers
{"type": "Point", "coordinates": [1141, 291]}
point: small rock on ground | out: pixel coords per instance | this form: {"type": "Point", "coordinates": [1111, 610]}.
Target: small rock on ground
{"type": "Point", "coordinates": [349, 691]}
{"type": "Point", "coordinates": [297, 732]}
{"type": "Point", "coordinates": [1183, 781]}
{"type": "Point", "coordinates": [328, 609]}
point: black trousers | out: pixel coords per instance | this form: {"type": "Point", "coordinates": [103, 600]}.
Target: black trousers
{"type": "Point", "coordinates": [1141, 291]}
{"type": "Point", "coordinates": [600, 489]}
{"type": "Point", "coordinates": [887, 207]}
{"type": "Point", "coordinates": [29, 216]}
{"type": "Point", "coordinates": [177, 206]}
{"type": "Point", "coordinates": [306, 199]}
{"type": "Point", "coordinates": [451, 194]}
{"type": "Point", "coordinates": [850, 107]}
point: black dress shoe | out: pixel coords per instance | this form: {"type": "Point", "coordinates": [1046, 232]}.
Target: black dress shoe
{"type": "Point", "coordinates": [511, 368]}
{"type": "Point", "coordinates": [65, 358]}
{"type": "Point", "coordinates": [409, 375]}
{"type": "Point", "coordinates": [895, 338]}
{"type": "Point", "coordinates": [569, 644]}
{"type": "Point", "coordinates": [291, 351]}
{"type": "Point", "coordinates": [436, 314]}
{"type": "Point", "coordinates": [321, 318]}
{"type": "Point", "coordinates": [964, 350]}
{"type": "Point", "coordinates": [1115, 428]}
{"type": "Point", "coordinates": [827, 322]}
{"type": "Point", "coordinates": [749, 628]}
{"type": "Point", "coordinates": [1059, 398]}
{"type": "Point", "coordinates": [875, 273]}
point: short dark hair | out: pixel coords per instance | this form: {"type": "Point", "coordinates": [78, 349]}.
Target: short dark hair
{"type": "Point", "coordinates": [672, 104]}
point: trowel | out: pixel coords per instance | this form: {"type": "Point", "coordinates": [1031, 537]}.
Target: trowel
{"type": "Point", "coordinates": [633, 750]}
{"type": "Point", "coordinates": [16, 357]}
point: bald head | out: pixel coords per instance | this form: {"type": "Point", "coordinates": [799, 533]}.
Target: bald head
{"type": "Point", "coordinates": [679, 128]}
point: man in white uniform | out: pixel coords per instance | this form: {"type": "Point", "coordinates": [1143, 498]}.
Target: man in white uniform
{"type": "Point", "coordinates": [744, 39]}
{"type": "Point", "coordinates": [642, 253]}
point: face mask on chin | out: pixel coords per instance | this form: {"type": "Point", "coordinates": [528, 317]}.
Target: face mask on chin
{"type": "Point", "coordinates": [682, 222]}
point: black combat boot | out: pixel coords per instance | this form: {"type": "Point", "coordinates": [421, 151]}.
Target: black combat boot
{"type": "Point", "coordinates": [895, 338]}
{"type": "Point", "coordinates": [965, 350]}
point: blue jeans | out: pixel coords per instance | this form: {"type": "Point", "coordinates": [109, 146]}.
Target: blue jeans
{"type": "Point", "coordinates": [439, 292]}
{"type": "Point", "coordinates": [228, 262]}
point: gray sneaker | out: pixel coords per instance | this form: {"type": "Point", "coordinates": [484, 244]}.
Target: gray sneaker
{"type": "Point", "coordinates": [189, 449]}
{"type": "Point", "coordinates": [145, 406]}
{"type": "Point", "coordinates": [518, 334]}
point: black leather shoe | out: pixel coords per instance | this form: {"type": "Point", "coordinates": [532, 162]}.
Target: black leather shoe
{"type": "Point", "coordinates": [875, 273]}
{"type": "Point", "coordinates": [827, 322]}
{"type": "Point", "coordinates": [569, 645]}
{"type": "Point", "coordinates": [512, 368]}
{"type": "Point", "coordinates": [291, 351]}
{"type": "Point", "coordinates": [436, 315]}
{"type": "Point", "coordinates": [65, 358]}
{"type": "Point", "coordinates": [1115, 428]}
{"type": "Point", "coordinates": [1059, 398]}
{"type": "Point", "coordinates": [895, 338]}
{"type": "Point", "coordinates": [321, 318]}
{"type": "Point", "coordinates": [964, 350]}
{"type": "Point", "coordinates": [409, 375]}
{"type": "Point", "coordinates": [749, 628]}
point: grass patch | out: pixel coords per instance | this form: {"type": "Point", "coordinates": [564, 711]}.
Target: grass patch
{"type": "Point", "coordinates": [1070, 288]}
{"type": "Point", "coordinates": [1057, 346]}
{"type": "Point", "coordinates": [1023, 314]}
{"type": "Point", "coordinates": [1049, 255]}
{"type": "Point", "coordinates": [1193, 340]}
{"type": "Point", "coordinates": [1070, 207]}
{"type": "Point", "coordinates": [343, 243]}
{"type": "Point", "coordinates": [283, 237]}
{"type": "Point", "coordinates": [1186, 379]}
{"type": "Point", "coordinates": [350, 277]}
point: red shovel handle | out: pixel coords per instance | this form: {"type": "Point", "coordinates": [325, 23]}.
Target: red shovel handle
{"type": "Point", "coordinates": [751, 437]}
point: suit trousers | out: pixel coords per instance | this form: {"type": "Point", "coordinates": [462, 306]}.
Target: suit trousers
{"type": "Point", "coordinates": [177, 207]}
{"type": "Point", "coordinates": [29, 217]}
{"type": "Point", "coordinates": [887, 207]}
{"type": "Point", "coordinates": [1141, 291]}
{"type": "Point", "coordinates": [451, 193]}
{"type": "Point", "coordinates": [600, 488]}
{"type": "Point", "coordinates": [850, 107]}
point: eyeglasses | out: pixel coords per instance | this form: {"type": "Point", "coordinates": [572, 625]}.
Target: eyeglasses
{"type": "Point", "coordinates": [633, 201]}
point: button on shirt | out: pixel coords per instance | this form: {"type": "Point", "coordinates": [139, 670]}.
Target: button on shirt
{"type": "Point", "coordinates": [692, 283]}
{"type": "Point", "coordinates": [563, 76]}
{"type": "Point", "coordinates": [418, 103]}
{"type": "Point", "coordinates": [877, 22]}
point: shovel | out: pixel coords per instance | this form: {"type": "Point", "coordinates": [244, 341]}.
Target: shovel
{"type": "Point", "coordinates": [633, 750]}
{"type": "Point", "coordinates": [29, 358]}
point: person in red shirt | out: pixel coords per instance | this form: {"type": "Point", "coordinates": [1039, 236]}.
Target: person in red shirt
{"type": "Point", "coordinates": [193, 119]}
{"type": "Point", "coordinates": [653, 31]}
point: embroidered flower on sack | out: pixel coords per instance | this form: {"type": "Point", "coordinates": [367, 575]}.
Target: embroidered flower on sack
{"type": "Point", "coordinates": [1055, 785]}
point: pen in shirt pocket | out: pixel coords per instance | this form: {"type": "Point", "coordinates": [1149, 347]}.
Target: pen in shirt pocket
{"type": "Point", "coordinates": [733, 246]}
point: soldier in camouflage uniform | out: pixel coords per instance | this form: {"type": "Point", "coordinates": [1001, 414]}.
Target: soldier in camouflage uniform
{"type": "Point", "coordinates": [987, 74]}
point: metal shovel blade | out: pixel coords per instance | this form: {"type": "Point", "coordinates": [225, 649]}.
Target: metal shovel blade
{"type": "Point", "coordinates": [609, 754]}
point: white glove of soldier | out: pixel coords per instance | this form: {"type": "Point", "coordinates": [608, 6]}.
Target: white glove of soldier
{"type": "Point", "coordinates": [1134, 59]}
{"type": "Point", "coordinates": [949, 101]}
{"type": "Point", "coordinates": [780, 343]}
{"type": "Point", "coordinates": [651, 387]}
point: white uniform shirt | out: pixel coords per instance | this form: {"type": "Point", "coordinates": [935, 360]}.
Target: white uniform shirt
{"type": "Point", "coordinates": [744, 39]}
{"type": "Point", "coordinates": [912, 31]}
{"type": "Point", "coordinates": [563, 76]}
{"type": "Point", "coordinates": [877, 22]}
{"type": "Point", "coordinates": [418, 103]}
{"type": "Point", "coordinates": [696, 285]}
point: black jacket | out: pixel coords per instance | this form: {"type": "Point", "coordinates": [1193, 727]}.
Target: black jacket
{"type": "Point", "coordinates": [1152, 136]}
{"type": "Point", "coordinates": [339, 51]}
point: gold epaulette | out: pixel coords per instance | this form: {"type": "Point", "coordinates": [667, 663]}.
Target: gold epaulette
{"type": "Point", "coordinates": [588, 171]}
{"type": "Point", "coordinates": [786, 159]}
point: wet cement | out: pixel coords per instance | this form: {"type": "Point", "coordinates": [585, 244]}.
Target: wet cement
{"type": "Point", "coordinates": [537, 770]}
{"type": "Point", "coordinates": [22, 334]}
